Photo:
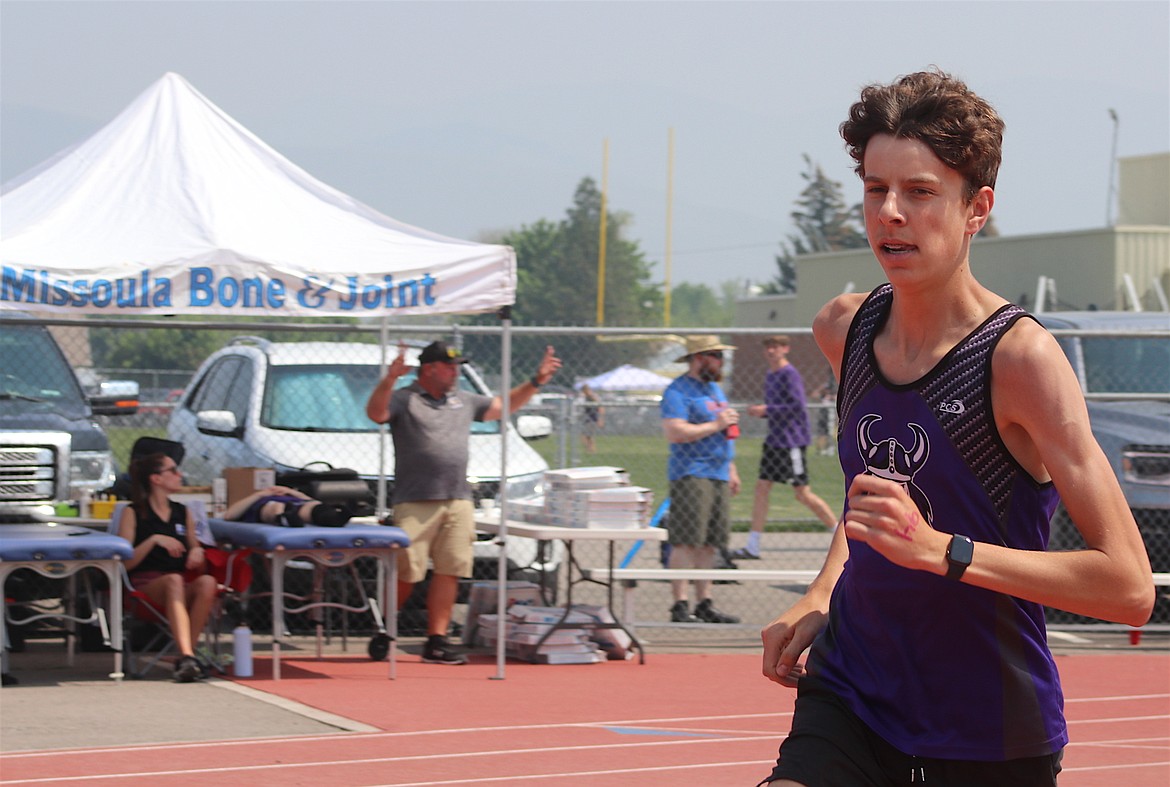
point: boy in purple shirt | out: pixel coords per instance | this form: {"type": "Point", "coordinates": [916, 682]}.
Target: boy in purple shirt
{"type": "Point", "coordinates": [783, 459]}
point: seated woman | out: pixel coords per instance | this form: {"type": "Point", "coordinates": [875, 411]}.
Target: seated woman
{"type": "Point", "coordinates": [162, 557]}
{"type": "Point", "coordinates": [286, 507]}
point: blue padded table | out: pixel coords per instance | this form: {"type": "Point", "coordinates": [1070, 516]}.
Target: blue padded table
{"type": "Point", "coordinates": [62, 551]}
{"type": "Point", "coordinates": [329, 547]}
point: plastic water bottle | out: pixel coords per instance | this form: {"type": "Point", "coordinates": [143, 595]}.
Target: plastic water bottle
{"type": "Point", "coordinates": [242, 651]}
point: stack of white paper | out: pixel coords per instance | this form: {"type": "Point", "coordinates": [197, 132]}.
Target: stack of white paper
{"type": "Point", "coordinates": [599, 497]}
{"type": "Point", "coordinates": [525, 627]}
{"type": "Point", "coordinates": [527, 510]}
{"type": "Point", "coordinates": [619, 507]}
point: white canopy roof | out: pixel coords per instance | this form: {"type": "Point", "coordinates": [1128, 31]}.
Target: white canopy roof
{"type": "Point", "coordinates": [175, 208]}
{"type": "Point", "coordinates": [625, 378]}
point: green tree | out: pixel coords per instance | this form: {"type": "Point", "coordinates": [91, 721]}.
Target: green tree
{"type": "Point", "coordinates": [699, 306]}
{"type": "Point", "coordinates": [823, 223]}
{"type": "Point", "coordinates": [557, 273]}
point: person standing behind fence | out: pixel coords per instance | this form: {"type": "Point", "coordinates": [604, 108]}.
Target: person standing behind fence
{"type": "Point", "coordinates": [696, 420]}
{"type": "Point", "coordinates": [430, 421]}
{"type": "Point", "coordinates": [593, 419]}
{"type": "Point", "coordinates": [784, 458]}
{"type": "Point", "coordinates": [962, 427]}
{"type": "Point", "coordinates": [826, 418]}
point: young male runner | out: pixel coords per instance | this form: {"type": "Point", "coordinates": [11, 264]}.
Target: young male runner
{"type": "Point", "coordinates": [962, 425]}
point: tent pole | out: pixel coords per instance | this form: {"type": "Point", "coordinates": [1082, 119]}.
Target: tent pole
{"type": "Point", "coordinates": [502, 495]}
{"type": "Point", "coordinates": [383, 338]}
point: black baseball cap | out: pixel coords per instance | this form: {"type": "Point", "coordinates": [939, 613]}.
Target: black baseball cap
{"type": "Point", "coordinates": [440, 352]}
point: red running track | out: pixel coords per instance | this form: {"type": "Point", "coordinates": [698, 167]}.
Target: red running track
{"type": "Point", "coordinates": [701, 720]}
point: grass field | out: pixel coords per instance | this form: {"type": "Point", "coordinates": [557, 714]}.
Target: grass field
{"type": "Point", "coordinates": [644, 457]}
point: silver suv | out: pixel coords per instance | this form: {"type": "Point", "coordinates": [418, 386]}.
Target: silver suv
{"type": "Point", "coordinates": [1125, 375]}
{"type": "Point", "coordinates": [288, 405]}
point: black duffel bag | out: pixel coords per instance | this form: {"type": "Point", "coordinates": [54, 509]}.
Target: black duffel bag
{"type": "Point", "coordinates": [335, 485]}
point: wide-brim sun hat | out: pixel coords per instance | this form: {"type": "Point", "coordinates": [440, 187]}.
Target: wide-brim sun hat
{"type": "Point", "coordinates": [702, 344]}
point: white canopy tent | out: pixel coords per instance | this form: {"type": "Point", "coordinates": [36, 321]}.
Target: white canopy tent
{"type": "Point", "coordinates": [175, 208]}
{"type": "Point", "coordinates": [625, 378]}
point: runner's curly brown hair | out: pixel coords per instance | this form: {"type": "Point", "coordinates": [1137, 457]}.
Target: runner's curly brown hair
{"type": "Point", "coordinates": [962, 129]}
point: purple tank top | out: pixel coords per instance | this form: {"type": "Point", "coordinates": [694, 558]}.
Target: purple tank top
{"type": "Point", "coordinates": [936, 667]}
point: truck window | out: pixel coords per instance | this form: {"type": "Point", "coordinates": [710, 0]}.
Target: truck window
{"type": "Point", "coordinates": [32, 366]}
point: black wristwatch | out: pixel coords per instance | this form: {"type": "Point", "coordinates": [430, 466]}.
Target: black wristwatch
{"type": "Point", "coordinates": [532, 381]}
{"type": "Point", "coordinates": [959, 554]}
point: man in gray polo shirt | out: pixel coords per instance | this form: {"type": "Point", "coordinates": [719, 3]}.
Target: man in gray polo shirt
{"type": "Point", "coordinates": [430, 420]}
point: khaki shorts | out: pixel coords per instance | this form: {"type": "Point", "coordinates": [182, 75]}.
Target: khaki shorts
{"type": "Point", "coordinates": [441, 532]}
{"type": "Point", "coordinates": [699, 512]}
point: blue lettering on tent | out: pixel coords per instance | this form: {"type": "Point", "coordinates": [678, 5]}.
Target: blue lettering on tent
{"type": "Point", "coordinates": [312, 294]}
{"type": "Point", "coordinates": [252, 292]}
{"type": "Point", "coordinates": [410, 292]}
{"type": "Point", "coordinates": [142, 290]}
{"type": "Point", "coordinates": [128, 292]}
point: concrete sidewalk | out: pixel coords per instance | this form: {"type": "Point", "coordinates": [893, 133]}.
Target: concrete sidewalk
{"type": "Point", "coordinates": [55, 706]}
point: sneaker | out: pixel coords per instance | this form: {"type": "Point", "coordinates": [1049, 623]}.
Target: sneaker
{"type": "Point", "coordinates": [706, 612]}
{"type": "Point", "coordinates": [680, 613]}
{"type": "Point", "coordinates": [743, 554]}
{"type": "Point", "coordinates": [187, 670]}
{"type": "Point", "coordinates": [723, 559]}
{"type": "Point", "coordinates": [439, 650]}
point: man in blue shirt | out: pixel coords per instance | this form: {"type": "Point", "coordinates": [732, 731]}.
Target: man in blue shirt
{"type": "Point", "coordinates": [700, 427]}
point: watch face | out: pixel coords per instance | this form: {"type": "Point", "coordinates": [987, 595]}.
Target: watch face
{"type": "Point", "coordinates": [961, 550]}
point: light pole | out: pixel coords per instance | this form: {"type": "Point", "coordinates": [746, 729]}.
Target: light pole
{"type": "Point", "coordinates": [1111, 190]}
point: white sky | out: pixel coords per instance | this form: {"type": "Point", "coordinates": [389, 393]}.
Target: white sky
{"type": "Point", "coordinates": [474, 117]}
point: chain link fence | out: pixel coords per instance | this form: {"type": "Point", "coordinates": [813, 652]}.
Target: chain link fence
{"type": "Point", "coordinates": [290, 396]}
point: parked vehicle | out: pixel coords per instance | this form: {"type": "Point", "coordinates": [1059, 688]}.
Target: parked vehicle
{"type": "Point", "coordinates": [1120, 376]}
{"type": "Point", "coordinates": [155, 406]}
{"type": "Point", "coordinates": [51, 449]}
{"type": "Point", "coordinates": [289, 405]}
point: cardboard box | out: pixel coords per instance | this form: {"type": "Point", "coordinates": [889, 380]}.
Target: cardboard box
{"type": "Point", "coordinates": [243, 481]}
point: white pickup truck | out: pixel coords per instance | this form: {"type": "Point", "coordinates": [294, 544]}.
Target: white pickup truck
{"type": "Point", "coordinates": [1123, 362]}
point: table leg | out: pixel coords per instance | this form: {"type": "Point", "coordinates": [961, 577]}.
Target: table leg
{"type": "Point", "coordinates": [277, 611]}
{"type": "Point", "coordinates": [634, 643]}
{"type": "Point", "coordinates": [390, 605]}
{"type": "Point", "coordinates": [114, 576]}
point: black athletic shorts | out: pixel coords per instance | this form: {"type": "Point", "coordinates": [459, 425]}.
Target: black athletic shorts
{"type": "Point", "coordinates": [784, 465]}
{"type": "Point", "coordinates": [829, 746]}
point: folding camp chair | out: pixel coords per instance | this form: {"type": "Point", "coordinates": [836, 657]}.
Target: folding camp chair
{"type": "Point", "coordinates": [233, 574]}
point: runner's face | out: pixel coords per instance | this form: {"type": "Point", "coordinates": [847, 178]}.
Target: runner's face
{"type": "Point", "coordinates": [918, 223]}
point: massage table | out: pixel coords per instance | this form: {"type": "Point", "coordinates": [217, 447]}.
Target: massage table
{"type": "Point", "coordinates": [61, 551]}
{"type": "Point", "coordinates": [325, 547]}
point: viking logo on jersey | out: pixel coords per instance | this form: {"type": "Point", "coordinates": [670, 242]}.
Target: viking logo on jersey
{"type": "Point", "coordinates": [889, 459]}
